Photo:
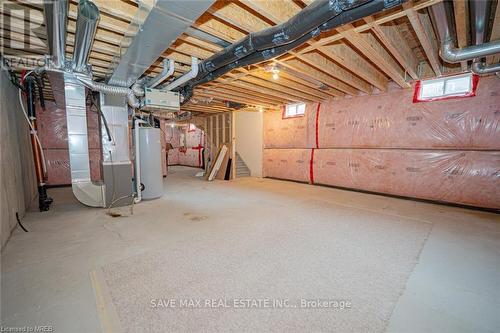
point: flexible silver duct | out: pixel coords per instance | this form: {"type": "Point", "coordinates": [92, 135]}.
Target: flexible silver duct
{"type": "Point", "coordinates": [131, 94]}
{"type": "Point", "coordinates": [56, 19]}
{"type": "Point", "coordinates": [449, 52]}
{"type": "Point", "coordinates": [86, 27]}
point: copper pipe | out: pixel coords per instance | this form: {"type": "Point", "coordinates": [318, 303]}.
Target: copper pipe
{"type": "Point", "coordinates": [37, 156]}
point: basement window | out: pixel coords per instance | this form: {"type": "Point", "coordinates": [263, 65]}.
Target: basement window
{"type": "Point", "coordinates": [294, 110]}
{"type": "Point", "coordinates": [456, 86]}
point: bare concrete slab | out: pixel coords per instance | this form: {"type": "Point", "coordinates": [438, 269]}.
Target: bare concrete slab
{"type": "Point", "coordinates": [45, 276]}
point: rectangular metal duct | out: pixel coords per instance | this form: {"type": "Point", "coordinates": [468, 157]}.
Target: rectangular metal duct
{"type": "Point", "coordinates": [166, 21]}
{"type": "Point", "coordinates": [84, 190]}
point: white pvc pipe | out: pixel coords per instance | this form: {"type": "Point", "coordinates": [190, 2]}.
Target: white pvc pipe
{"type": "Point", "coordinates": [137, 161]}
{"type": "Point", "coordinates": [186, 77]}
{"type": "Point", "coordinates": [168, 70]}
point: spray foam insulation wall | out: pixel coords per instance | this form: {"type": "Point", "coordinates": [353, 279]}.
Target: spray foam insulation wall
{"type": "Point", "coordinates": [446, 151]}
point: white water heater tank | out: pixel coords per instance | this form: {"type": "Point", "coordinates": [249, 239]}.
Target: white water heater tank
{"type": "Point", "coordinates": [150, 159]}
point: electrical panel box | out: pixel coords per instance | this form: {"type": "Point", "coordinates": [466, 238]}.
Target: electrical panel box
{"type": "Point", "coordinates": [161, 100]}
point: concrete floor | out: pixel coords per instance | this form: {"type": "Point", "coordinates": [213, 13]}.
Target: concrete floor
{"type": "Point", "coordinates": [45, 273]}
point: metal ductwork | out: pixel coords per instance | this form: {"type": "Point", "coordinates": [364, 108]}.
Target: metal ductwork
{"type": "Point", "coordinates": [56, 19]}
{"type": "Point", "coordinates": [84, 189]}
{"type": "Point", "coordinates": [480, 12]}
{"type": "Point", "coordinates": [86, 27]}
{"type": "Point", "coordinates": [481, 68]}
{"type": "Point", "coordinates": [164, 23]}
{"type": "Point", "coordinates": [320, 16]}
{"type": "Point", "coordinates": [131, 93]}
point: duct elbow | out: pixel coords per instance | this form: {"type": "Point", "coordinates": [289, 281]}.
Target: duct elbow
{"type": "Point", "coordinates": [138, 90]}
{"type": "Point", "coordinates": [89, 194]}
{"type": "Point", "coordinates": [480, 68]}
{"type": "Point", "coordinates": [132, 100]}
{"type": "Point", "coordinates": [449, 53]}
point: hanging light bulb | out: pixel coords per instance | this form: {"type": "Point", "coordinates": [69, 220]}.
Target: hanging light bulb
{"type": "Point", "coordinates": [275, 75]}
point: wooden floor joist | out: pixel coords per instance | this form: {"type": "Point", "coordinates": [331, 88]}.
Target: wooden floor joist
{"type": "Point", "coordinates": [347, 61]}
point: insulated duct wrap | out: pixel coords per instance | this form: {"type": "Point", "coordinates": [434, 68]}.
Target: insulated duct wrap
{"type": "Point", "coordinates": [444, 150]}
{"type": "Point", "coordinates": [320, 16]}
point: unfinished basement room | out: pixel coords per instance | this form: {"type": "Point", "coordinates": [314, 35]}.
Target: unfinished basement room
{"type": "Point", "coordinates": [250, 166]}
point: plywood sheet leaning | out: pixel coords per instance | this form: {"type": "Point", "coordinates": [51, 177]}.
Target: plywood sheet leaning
{"type": "Point", "coordinates": [217, 163]}
{"type": "Point", "coordinates": [221, 174]}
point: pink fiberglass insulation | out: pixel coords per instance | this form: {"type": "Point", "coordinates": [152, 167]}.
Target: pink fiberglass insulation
{"type": "Point", "coordinates": [295, 132]}
{"type": "Point", "coordinates": [53, 134]}
{"type": "Point", "coordinates": [173, 156]}
{"type": "Point", "coordinates": [193, 138]}
{"type": "Point", "coordinates": [190, 157]}
{"type": "Point", "coordinates": [172, 135]}
{"type": "Point", "coordinates": [391, 120]}
{"type": "Point", "coordinates": [52, 128]}
{"type": "Point", "coordinates": [463, 177]}
{"type": "Point", "coordinates": [58, 169]}
{"type": "Point", "coordinates": [292, 164]}
{"type": "Point", "coordinates": [445, 151]}
{"type": "Point", "coordinates": [164, 166]}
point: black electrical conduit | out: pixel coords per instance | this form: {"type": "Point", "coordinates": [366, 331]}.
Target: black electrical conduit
{"type": "Point", "coordinates": [318, 17]}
